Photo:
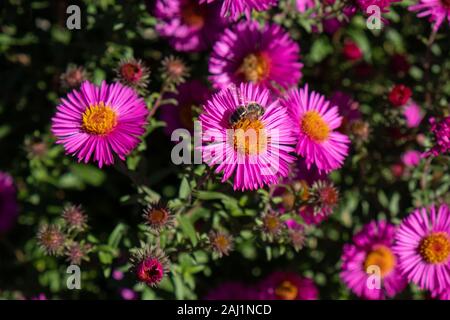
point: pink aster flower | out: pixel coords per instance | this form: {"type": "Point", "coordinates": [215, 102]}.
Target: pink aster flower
{"type": "Point", "coordinates": [441, 132]}
{"type": "Point", "coordinates": [231, 290]}
{"type": "Point", "coordinates": [188, 25]}
{"type": "Point", "coordinates": [128, 294]}
{"type": "Point", "coordinates": [423, 247]}
{"type": "Point", "coordinates": [304, 5]}
{"type": "Point", "coordinates": [411, 158]}
{"type": "Point", "coordinates": [8, 203]}
{"type": "Point", "coordinates": [363, 5]}
{"type": "Point", "coordinates": [413, 114]}
{"type": "Point", "coordinates": [235, 8]}
{"type": "Point", "coordinates": [436, 11]}
{"type": "Point", "coordinates": [248, 135]}
{"type": "Point", "coordinates": [266, 56]}
{"type": "Point", "coordinates": [372, 248]}
{"type": "Point", "coordinates": [100, 122]}
{"type": "Point", "coordinates": [150, 265]}
{"type": "Point", "coordinates": [287, 286]}
{"type": "Point", "coordinates": [190, 94]}
{"type": "Point", "coordinates": [315, 123]}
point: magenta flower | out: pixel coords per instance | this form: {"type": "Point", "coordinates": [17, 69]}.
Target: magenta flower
{"type": "Point", "coordinates": [372, 247]}
{"type": "Point", "coordinates": [8, 203]}
{"type": "Point", "coordinates": [150, 265]}
{"type": "Point", "coordinates": [441, 132]}
{"type": "Point", "coordinates": [266, 56]}
{"type": "Point", "coordinates": [287, 286]}
{"type": "Point", "coordinates": [423, 247]}
{"type": "Point", "coordinates": [363, 5]}
{"type": "Point", "coordinates": [304, 5]}
{"type": "Point", "coordinates": [190, 94]}
{"type": "Point", "coordinates": [315, 123]}
{"type": "Point", "coordinates": [231, 290]}
{"type": "Point", "coordinates": [235, 8]}
{"type": "Point", "coordinates": [411, 158]}
{"type": "Point", "coordinates": [188, 25]}
{"type": "Point", "coordinates": [248, 135]}
{"type": "Point", "coordinates": [100, 122]}
{"type": "Point", "coordinates": [436, 11]}
{"type": "Point", "coordinates": [128, 294]}
{"type": "Point", "coordinates": [413, 114]}
{"type": "Point", "coordinates": [444, 295]}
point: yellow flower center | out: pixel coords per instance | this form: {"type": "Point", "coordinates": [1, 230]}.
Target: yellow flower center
{"type": "Point", "coordinates": [99, 119]}
{"type": "Point", "coordinates": [286, 291]}
{"type": "Point", "coordinates": [435, 248]}
{"type": "Point", "coordinates": [382, 257]}
{"type": "Point", "coordinates": [255, 67]}
{"type": "Point", "coordinates": [249, 136]}
{"type": "Point", "coordinates": [314, 126]}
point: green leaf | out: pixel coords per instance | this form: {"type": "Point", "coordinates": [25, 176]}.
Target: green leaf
{"type": "Point", "coordinates": [116, 236]}
{"type": "Point", "coordinates": [88, 174]}
{"type": "Point", "coordinates": [188, 229]}
{"type": "Point", "coordinates": [185, 189]}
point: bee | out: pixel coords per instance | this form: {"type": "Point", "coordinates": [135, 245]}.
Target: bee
{"type": "Point", "coordinates": [251, 111]}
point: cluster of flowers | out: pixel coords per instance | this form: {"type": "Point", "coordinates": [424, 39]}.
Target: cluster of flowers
{"type": "Point", "coordinates": [417, 251]}
{"type": "Point", "coordinates": [300, 137]}
{"type": "Point", "coordinates": [61, 239]}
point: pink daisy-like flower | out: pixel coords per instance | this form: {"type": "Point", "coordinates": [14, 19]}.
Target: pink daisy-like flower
{"type": "Point", "coordinates": [8, 203]}
{"type": "Point", "coordinates": [235, 8]}
{"type": "Point", "coordinates": [231, 290]}
{"type": "Point", "coordinates": [371, 250]}
{"type": "Point", "coordinates": [188, 25]}
{"type": "Point", "coordinates": [411, 158]}
{"type": "Point", "coordinates": [98, 122]}
{"type": "Point", "coordinates": [441, 132]}
{"type": "Point", "coordinates": [413, 114]}
{"type": "Point", "coordinates": [266, 56]}
{"type": "Point", "coordinates": [248, 135]}
{"type": "Point", "coordinates": [190, 94]}
{"type": "Point", "coordinates": [364, 5]}
{"type": "Point", "coordinates": [423, 247]}
{"type": "Point", "coordinates": [436, 11]}
{"type": "Point", "coordinates": [304, 5]}
{"type": "Point", "coordinates": [287, 286]}
{"type": "Point", "coordinates": [315, 123]}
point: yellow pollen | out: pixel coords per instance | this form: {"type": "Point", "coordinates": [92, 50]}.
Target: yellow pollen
{"type": "Point", "coordinates": [382, 257]}
{"type": "Point", "coordinates": [99, 119]}
{"type": "Point", "coordinates": [249, 137]}
{"type": "Point", "coordinates": [255, 67]}
{"type": "Point", "coordinates": [314, 126]}
{"type": "Point", "coordinates": [435, 248]}
{"type": "Point", "coordinates": [286, 291]}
